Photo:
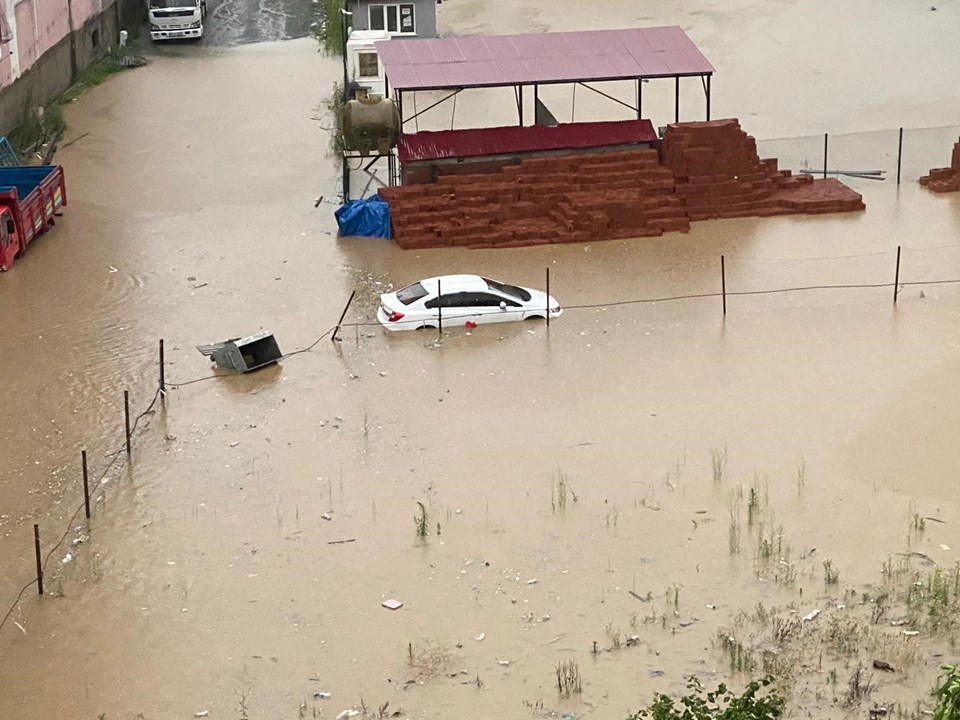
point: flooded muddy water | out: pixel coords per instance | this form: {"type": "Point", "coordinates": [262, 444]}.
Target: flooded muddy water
{"type": "Point", "coordinates": [625, 473]}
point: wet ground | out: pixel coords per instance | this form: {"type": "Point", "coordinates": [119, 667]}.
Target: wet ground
{"type": "Point", "coordinates": [577, 457]}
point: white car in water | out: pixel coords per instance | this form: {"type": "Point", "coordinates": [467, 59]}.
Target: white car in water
{"type": "Point", "coordinates": [462, 300]}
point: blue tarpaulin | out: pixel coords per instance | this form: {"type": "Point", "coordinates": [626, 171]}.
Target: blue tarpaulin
{"type": "Point", "coordinates": [366, 218]}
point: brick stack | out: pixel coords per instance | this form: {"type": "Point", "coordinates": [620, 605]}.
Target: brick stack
{"type": "Point", "coordinates": [568, 198]}
{"type": "Point", "coordinates": [703, 170]}
{"type": "Point", "coordinates": [945, 179]}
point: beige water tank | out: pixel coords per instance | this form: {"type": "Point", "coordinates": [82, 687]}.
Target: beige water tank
{"type": "Point", "coordinates": [371, 124]}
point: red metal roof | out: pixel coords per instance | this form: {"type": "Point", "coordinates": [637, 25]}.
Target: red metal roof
{"type": "Point", "coordinates": [497, 60]}
{"type": "Point", "coordinates": [507, 140]}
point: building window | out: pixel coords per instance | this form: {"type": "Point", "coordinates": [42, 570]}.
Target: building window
{"type": "Point", "coordinates": [397, 19]}
{"type": "Point", "coordinates": [368, 65]}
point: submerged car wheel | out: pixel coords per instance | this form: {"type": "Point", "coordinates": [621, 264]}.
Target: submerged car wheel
{"type": "Point", "coordinates": [534, 317]}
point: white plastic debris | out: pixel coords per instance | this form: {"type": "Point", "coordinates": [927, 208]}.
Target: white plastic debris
{"type": "Point", "coordinates": [67, 558]}
{"type": "Point", "coordinates": [812, 615]}
{"type": "Point", "coordinates": [532, 581]}
{"type": "Point", "coordinates": [480, 637]}
{"type": "Point", "coordinates": [349, 713]}
{"type": "Point", "coordinates": [202, 713]}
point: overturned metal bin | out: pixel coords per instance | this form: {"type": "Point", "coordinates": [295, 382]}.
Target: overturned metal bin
{"type": "Point", "coordinates": [244, 354]}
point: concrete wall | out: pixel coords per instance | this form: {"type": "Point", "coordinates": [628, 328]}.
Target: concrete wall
{"type": "Point", "coordinates": [424, 13]}
{"type": "Point", "coordinates": [43, 56]}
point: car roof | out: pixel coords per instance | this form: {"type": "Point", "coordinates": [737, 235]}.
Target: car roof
{"type": "Point", "coordinates": [455, 283]}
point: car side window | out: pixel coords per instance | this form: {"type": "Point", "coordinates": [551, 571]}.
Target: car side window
{"type": "Point", "coordinates": [489, 300]}
{"type": "Point", "coordinates": [451, 301]}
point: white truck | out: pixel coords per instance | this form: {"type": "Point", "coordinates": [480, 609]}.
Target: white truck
{"type": "Point", "coordinates": [176, 19]}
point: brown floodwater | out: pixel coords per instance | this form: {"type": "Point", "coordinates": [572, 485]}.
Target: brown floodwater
{"type": "Point", "coordinates": [209, 581]}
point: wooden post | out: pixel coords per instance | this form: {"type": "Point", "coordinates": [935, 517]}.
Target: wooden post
{"type": "Point", "coordinates": [723, 283]}
{"type": "Point", "coordinates": [899, 154]}
{"type": "Point", "coordinates": [548, 297]}
{"type": "Point", "coordinates": [163, 384]}
{"type": "Point", "coordinates": [86, 483]}
{"type": "Point", "coordinates": [36, 547]}
{"type": "Point", "coordinates": [333, 338]}
{"type": "Point", "coordinates": [896, 278]}
{"type": "Point", "coordinates": [126, 417]}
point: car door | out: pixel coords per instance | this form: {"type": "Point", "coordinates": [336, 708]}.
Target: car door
{"type": "Point", "coordinates": [456, 308]}
{"type": "Point", "coordinates": [492, 307]}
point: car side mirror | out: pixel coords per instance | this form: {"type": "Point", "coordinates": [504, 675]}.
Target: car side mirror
{"type": "Point", "coordinates": [503, 305]}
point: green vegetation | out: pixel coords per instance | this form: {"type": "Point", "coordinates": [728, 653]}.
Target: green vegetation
{"type": "Point", "coordinates": [329, 32]}
{"type": "Point", "coordinates": [422, 520]}
{"type": "Point", "coordinates": [948, 695]}
{"type": "Point", "coordinates": [720, 704]}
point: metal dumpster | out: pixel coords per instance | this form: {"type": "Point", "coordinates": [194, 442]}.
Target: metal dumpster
{"type": "Point", "coordinates": [244, 354]}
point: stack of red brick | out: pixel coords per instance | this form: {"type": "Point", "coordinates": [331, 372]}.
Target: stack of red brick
{"type": "Point", "coordinates": [569, 198]}
{"type": "Point", "coordinates": [945, 179]}
{"type": "Point", "coordinates": [719, 175]}
{"type": "Point", "coordinates": [704, 170]}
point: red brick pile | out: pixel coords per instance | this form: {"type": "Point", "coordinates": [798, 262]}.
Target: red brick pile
{"type": "Point", "coordinates": [719, 175]}
{"type": "Point", "coordinates": [569, 198]}
{"type": "Point", "coordinates": [945, 179]}
{"type": "Point", "coordinates": [704, 170]}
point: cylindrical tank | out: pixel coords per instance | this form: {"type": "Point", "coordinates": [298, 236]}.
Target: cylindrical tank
{"type": "Point", "coordinates": [370, 124]}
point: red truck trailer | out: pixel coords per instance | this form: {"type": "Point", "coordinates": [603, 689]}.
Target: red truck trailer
{"type": "Point", "coordinates": [30, 197]}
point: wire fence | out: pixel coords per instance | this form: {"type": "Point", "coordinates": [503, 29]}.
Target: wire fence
{"type": "Point", "coordinates": [736, 276]}
{"type": "Point", "coordinates": [896, 155]}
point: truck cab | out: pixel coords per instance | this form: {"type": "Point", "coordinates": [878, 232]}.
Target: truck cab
{"type": "Point", "coordinates": [176, 19]}
{"type": "Point", "coordinates": [9, 242]}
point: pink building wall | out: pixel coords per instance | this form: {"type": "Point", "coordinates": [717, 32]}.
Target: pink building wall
{"type": "Point", "coordinates": [83, 10]}
{"type": "Point", "coordinates": [53, 23]}
{"type": "Point", "coordinates": [26, 34]}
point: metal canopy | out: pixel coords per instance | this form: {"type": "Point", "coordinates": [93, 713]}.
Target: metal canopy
{"type": "Point", "coordinates": [543, 58]}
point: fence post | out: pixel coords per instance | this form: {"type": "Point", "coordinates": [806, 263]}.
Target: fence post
{"type": "Point", "coordinates": [899, 154]}
{"type": "Point", "coordinates": [86, 483]}
{"type": "Point", "coordinates": [825, 143]}
{"type": "Point", "coordinates": [723, 282]}
{"type": "Point", "coordinates": [896, 278]}
{"type": "Point", "coordinates": [36, 547]}
{"type": "Point", "coordinates": [163, 384]}
{"type": "Point", "coordinates": [548, 297]}
{"type": "Point", "coordinates": [333, 338]}
{"type": "Point", "coordinates": [126, 417]}
{"type": "Point", "coordinates": [439, 310]}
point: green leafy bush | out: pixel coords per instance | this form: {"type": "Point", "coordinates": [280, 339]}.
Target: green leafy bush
{"type": "Point", "coordinates": [720, 704]}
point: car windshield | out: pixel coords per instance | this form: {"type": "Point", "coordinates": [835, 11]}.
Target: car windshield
{"type": "Point", "coordinates": [511, 290]}
{"type": "Point", "coordinates": [411, 293]}
{"type": "Point", "coordinates": [165, 4]}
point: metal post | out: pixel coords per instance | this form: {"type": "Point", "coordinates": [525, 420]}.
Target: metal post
{"type": "Point", "coordinates": [639, 98]}
{"type": "Point", "coordinates": [36, 547]}
{"type": "Point", "coordinates": [126, 417]}
{"type": "Point", "coordinates": [439, 311]}
{"type": "Point", "coordinates": [896, 278]}
{"type": "Point", "coordinates": [548, 297]}
{"type": "Point", "coordinates": [825, 145]}
{"type": "Point", "coordinates": [333, 338]}
{"type": "Point", "coordinates": [520, 103]}
{"type": "Point", "coordinates": [899, 154]}
{"type": "Point", "coordinates": [536, 102]}
{"type": "Point", "coordinates": [676, 100]}
{"type": "Point", "coordinates": [163, 384]}
{"type": "Point", "coordinates": [709, 77]}
{"type": "Point", "coordinates": [86, 483]}
{"type": "Point", "coordinates": [637, 94]}
{"type": "Point", "coordinates": [723, 282]}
